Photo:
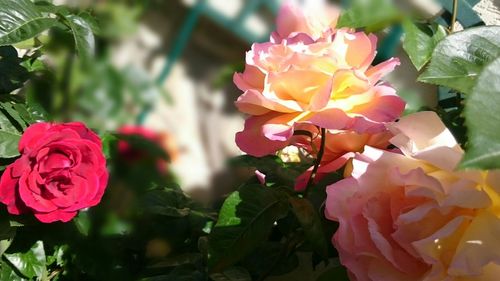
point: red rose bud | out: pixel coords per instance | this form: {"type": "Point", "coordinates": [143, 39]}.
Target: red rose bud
{"type": "Point", "coordinates": [135, 155]}
{"type": "Point", "coordinates": [61, 170]}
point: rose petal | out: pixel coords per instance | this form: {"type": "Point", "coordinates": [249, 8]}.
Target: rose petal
{"type": "Point", "coordinates": [424, 136]}
{"type": "Point", "coordinates": [253, 102]}
{"type": "Point", "coordinates": [57, 215]}
{"type": "Point", "coordinates": [376, 72]}
{"type": "Point", "coordinates": [357, 50]}
{"type": "Point", "coordinates": [478, 247]}
{"type": "Point", "coordinates": [8, 191]}
{"type": "Point", "coordinates": [323, 171]}
{"type": "Point", "coordinates": [82, 130]}
{"type": "Point", "coordinates": [251, 79]}
{"type": "Point", "coordinates": [35, 201]}
{"type": "Point", "coordinates": [265, 134]}
{"type": "Point", "coordinates": [32, 134]}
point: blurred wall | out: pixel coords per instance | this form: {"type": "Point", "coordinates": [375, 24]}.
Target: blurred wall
{"type": "Point", "coordinates": [201, 115]}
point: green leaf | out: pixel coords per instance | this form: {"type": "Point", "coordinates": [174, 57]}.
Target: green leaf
{"type": "Point", "coordinates": [12, 73]}
{"type": "Point", "coordinates": [187, 272]}
{"type": "Point", "coordinates": [7, 233]}
{"type": "Point", "coordinates": [371, 14]}
{"type": "Point", "coordinates": [58, 256]}
{"type": "Point", "coordinates": [6, 124]}
{"type": "Point", "coordinates": [232, 274]}
{"type": "Point", "coordinates": [82, 222]}
{"type": "Point", "coordinates": [483, 121]}
{"type": "Point", "coordinates": [20, 20]}
{"type": "Point", "coordinates": [115, 226]}
{"type": "Point", "coordinates": [178, 260]}
{"type": "Point", "coordinates": [30, 264]}
{"type": "Point", "coordinates": [337, 273]}
{"type": "Point", "coordinates": [92, 22]}
{"type": "Point", "coordinates": [24, 114]}
{"type": "Point", "coordinates": [36, 111]}
{"type": "Point", "coordinates": [277, 172]}
{"type": "Point", "coordinates": [245, 220]}
{"type": "Point", "coordinates": [414, 101]}
{"type": "Point", "coordinates": [272, 258]}
{"type": "Point", "coordinates": [82, 33]}
{"type": "Point", "coordinates": [166, 202]}
{"type": "Point", "coordinates": [109, 142]}
{"type": "Point", "coordinates": [459, 58]}
{"type": "Point", "coordinates": [420, 40]}
{"type": "Point", "coordinates": [8, 144]}
{"type": "Point", "coordinates": [310, 221]}
{"type": "Point", "coordinates": [48, 7]}
{"type": "Point", "coordinates": [14, 113]}
{"type": "Point", "coordinates": [7, 273]}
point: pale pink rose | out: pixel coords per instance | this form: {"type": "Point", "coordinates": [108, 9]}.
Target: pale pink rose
{"type": "Point", "coordinates": [412, 216]}
{"type": "Point", "coordinates": [327, 81]}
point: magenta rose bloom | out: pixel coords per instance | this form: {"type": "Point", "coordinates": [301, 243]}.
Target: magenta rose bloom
{"type": "Point", "coordinates": [61, 170]}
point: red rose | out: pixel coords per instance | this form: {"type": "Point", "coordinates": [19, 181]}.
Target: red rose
{"type": "Point", "coordinates": [130, 153]}
{"type": "Point", "coordinates": [134, 155]}
{"type": "Point", "coordinates": [61, 170]}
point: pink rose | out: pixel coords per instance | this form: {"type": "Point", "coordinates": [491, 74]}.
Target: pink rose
{"type": "Point", "coordinates": [314, 18]}
{"type": "Point", "coordinates": [61, 170]}
{"type": "Point", "coordinates": [327, 81]}
{"type": "Point", "coordinates": [412, 216]}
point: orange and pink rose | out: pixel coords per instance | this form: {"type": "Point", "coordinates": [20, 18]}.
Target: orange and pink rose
{"type": "Point", "coordinates": [317, 75]}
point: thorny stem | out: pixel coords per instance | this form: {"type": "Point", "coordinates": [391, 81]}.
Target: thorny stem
{"type": "Point", "coordinates": [317, 162]}
{"type": "Point", "coordinates": [454, 16]}
{"type": "Point", "coordinates": [451, 29]}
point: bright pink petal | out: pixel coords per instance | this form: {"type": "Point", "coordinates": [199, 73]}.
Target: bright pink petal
{"type": "Point", "coordinates": [264, 135]}
{"type": "Point", "coordinates": [290, 20]}
{"type": "Point", "coordinates": [375, 73]}
{"type": "Point", "coordinates": [333, 119]}
{"type": "Point", "coordinates": [385, 106]}
{"type": "Point", "coordinates": [323, 171]}
{"type": "Point", "coordinates": [251, 78]}
{"type": "Point", "coordinates": [261, 177]}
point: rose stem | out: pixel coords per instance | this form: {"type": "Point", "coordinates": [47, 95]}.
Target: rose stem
{"type": "Point", "coordinates": [454, 16]}
{"type": "Point", "coordinates": [317, 162]}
